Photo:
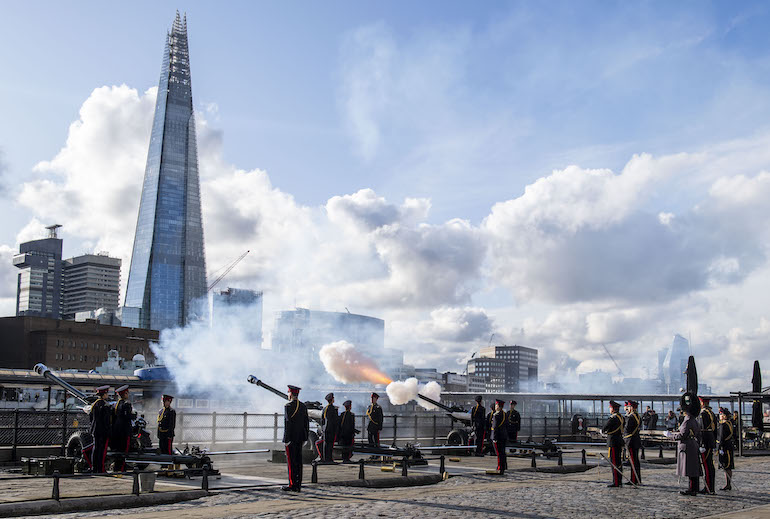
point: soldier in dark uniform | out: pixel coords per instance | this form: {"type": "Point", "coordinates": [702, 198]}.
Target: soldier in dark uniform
{"type": "Point", "coordinates": [374, 412]}
{"type": "Point", "coordinates": [296, 429]}
{"type": "Point", "coordinates": [725, 439]}
{"type": "Point", "coordinates": [499, 435]}
{"type": "Point", "coordinates": [325, 445]}
{"type": "Point", "coordinates": [347, 431]}
{"type": "Point", "coordinates": [166, 425]}
{"type": "Point", "coordinates": [633, 440]}
{"type": "Point", "coordinates": [514, 423]}
{"type": "Point", "coordinates": [708, 427]}
{"type": "Point", "coordinates": [101, 429]}
{"type": "Point", "coordinates": [614, 430]}
{"type": "Point", "coordinates": [479, 424]}
{"type": "Point", "coordinates": [490, 446]}
{"type": "Point", "coordinates": [123, 413]}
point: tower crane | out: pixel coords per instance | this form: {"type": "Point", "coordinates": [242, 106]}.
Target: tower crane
{"type": "Point", "coordinates": [227, 270]}
{"type": "Point", "coordinates": [620, 371]}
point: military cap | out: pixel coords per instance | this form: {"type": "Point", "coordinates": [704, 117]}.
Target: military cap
{"type": "Point", "coordinates": [725, 411]}
{"type": "Point", "coordinates": [102, 389]}
{"type": "Point", "coordinates": [614, 404]}
{"type": "Point", "coordinates": [500, 402]}
{"type": "Point", "coordinates": [294, 389]}
{"type": "Point", "coordinates": [168, 397]}
{"type": "Point", "coordinates": [514, 402]}
{"type": "Point", "coordinates": [329, 397]}
{"type": "Point", "coordinates": [347, 403]}
{"type": "Point", "coordinates": [375, 395]}
{"type": "Point", "coordinates": [632, 403]}
{"type": "Point", "coordinates": [704, 400]}
{"type": "Point", "coordinates": [478, 398]}
{"type": "Point", "coordinates": [122, 388]}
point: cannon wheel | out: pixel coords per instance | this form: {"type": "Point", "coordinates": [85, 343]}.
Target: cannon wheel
{"type": "Point", "coordinates": [457, 437]}
{"type": "Point", "coordinates": [76, 443]}
{"type": "Point", "coordinates": [312, 437]}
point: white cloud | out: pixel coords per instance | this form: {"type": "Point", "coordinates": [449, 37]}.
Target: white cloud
{"type": "Point", "coordinates": [455, 324]}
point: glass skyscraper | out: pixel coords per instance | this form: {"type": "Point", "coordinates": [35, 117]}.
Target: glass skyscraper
{"type": "Point", "coordinates": [168, 266]}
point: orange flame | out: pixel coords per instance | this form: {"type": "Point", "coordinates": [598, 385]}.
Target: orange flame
{"type": "Point", "coordinates": [374, 375]}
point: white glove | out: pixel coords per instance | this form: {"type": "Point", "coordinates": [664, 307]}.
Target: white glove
{"type": "Point", "coordinates": [702, 450]}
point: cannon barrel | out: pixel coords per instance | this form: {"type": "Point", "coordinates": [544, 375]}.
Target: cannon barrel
{"type": "Point", "coordinates": [455, 412]}
{"type": "Point", "coordinates": [254, 380]}
{"type": "Point", "coordinates": [436, 403]}
{"type": "Point", "coordinates": [42, 369]}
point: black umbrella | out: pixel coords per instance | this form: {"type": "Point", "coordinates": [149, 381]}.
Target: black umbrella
{"type": "Point", "coordinates": [692, 376]}
{"type": "Point", "coordinates": [756, 406]}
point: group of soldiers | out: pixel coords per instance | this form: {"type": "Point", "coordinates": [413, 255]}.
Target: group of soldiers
{"type": "Point", "coordinates": [112, 428]}
{"type": "Point", "coordinates": [699, 436]}
{"type": "Point", "coordinates": [497, 425]}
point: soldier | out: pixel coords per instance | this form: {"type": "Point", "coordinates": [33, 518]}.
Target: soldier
{"type": "Point", "coordinates": [328, 430]}
{"type": "Point", "coordinates": [347, 431]}
{"type": "Point", "coordinates": [374, 412]}
{"type": "Point", "coordinates": [687, 462]}
{"type": "Point", "coordinates": [614, 430]}
{"type": "Point", "coordinates": [296, 429]}
{"type": "Point", "coordinates": [490, 415]}
{"type": "Point", "coordinates": [123, 413]}
{"type": "Point", "coordinates": [479, 424]}
{"type": "Point", "coordinates": [633, 440]}
{"type": "Point", "coordinates": [499, 435]}
{"type": "Point", "coordinates": [514, 423]}
{"type": "Point", "coordinates": [166, 425]}
{"type": "Point", "coordinates": [708, 426]}
{"type": "Point", "coordinates": [725, 440]}
{"type": "Point", "coordinates": [101, 428]}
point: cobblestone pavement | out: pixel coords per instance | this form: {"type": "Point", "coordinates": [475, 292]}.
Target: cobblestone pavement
{"type": "Point", "coordinates": [525, 495]}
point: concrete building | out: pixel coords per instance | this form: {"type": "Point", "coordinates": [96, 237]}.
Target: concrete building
{"type": "Point", "coordinates": [239, 303]}
{"type": "Point", "coordinates": [90, 282]}
{"type": "Point", "coordinates": [493, 370]}
{"type": "Point", "coordinates": [520, 366]}
{"type": "Point", "coordinates": [39, 282]}
{"type": "Point", "coordinates": [455, 382]}
{"type": "Point", "coordinates": [477, 383]}
{"type": "Point", "coordinates": [675, 364]}
{"type": "Point", "coordinates": [425, 375]}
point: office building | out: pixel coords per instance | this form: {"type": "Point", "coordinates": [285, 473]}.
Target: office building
{"type": "Point", "coordinates": [675, 364]}
{"type": "Point", "coordinates": [39, 281]}
{"type": "Point", "coordinates": [520, 366]}
{"type": "Point", "coordinates": [493, 370]}
{"type": "Point", "coordinates": [91, 282]}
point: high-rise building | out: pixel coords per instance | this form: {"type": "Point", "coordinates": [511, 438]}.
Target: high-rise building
{"type": "Point", "coordinates": [91, 282]}
{"type": "Point", "coordinates": [493, 370]}
{"type": "Point", "coordinates": [39, 283]}
{"type": "Point", "coordinates": [675, 364]}
{"type": "Point", "coordinates": [168, 266]}
{"type": "Point", "coordinates": [241, 304]}
{"type": "Point", "coordinates": [520, 366]}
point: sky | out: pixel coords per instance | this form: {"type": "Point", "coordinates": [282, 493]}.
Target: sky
{"type": "Point", "coordinates": [561, 175]}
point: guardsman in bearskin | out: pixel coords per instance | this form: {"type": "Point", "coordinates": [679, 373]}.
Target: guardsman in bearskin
{"type": "Point", "coordinates": [708, 427]}
{"type": "Point", "coordinates": [688, 455]}
{"type": "Point", "coordinates": [499, 435]}
{"type": "Point", "coordinates": [296, 429]}
{"type": "Point", "coordinates": [122, 413]}
{"type": "Point", "coordinates": [514, 423]}
{"type": "Point", "coordinates": [479, 424]}
{"type": "Point", "coordinates": [166, 425]}
{"type": "Point", "coordinates": [329, 419]}
{"type": "Point", "coordinates": [101, 429]}
{"type": "Point", "coordinates": [374, 412]}
{"type": "Point", "coordinates": [614, 431]}
{"type": "Point", "coordinates": [633, 440]}
{"type": "Point", "coordinates": [725, 441]}
{"type": "Point", "coordinates": [347, 431]}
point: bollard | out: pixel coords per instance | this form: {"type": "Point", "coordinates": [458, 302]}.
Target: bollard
{"type": "Point", "coordinates": [361, 469]}
{"type": "Point", "coordinates": [561, 460]}
{"type": "Point", "coordinates": [404, 470]}
{"type": "Point", "coordinates": [205, 481]}
{"type": "Point", "coordinates": [314, 476]}
{"type": "Point", "coordinates": [643, 452]}
{"type": "Point", "coordinates": [660, 452]}
{"type": "Point", "coordinates": [55, 493]}
{"type": "Point", "coordinates": [534, 463]}
{"type": "Point", "coordinates": [583, 457]}
{"type": "Point", "coordinates": [135, 489]}
{"type": "Point", "coordinates": [442, 467]}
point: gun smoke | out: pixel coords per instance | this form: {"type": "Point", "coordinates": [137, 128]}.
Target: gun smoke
{"type": "Point", "coordinates": [402, 392]}
{"type": "Point", "coordinates": [348, 365]}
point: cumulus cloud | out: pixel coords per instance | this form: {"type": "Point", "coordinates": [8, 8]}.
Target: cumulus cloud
{"type": "Point", "coordinates": [456, 324]}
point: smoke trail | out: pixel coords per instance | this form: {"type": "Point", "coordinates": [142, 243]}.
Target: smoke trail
{"type": "Point", "coordinates": [347, 365]}
{"type": "Point", "coordinates": [402, 392]}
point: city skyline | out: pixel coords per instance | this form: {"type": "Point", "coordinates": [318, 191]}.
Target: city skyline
{"type": "Point", "coordinates": [562, 177]}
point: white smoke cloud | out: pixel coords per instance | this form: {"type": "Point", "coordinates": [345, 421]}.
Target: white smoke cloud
{"type": "Point", "coordinates": [402, 392]}
{"type": "Point", "coordinates": [346, 364]}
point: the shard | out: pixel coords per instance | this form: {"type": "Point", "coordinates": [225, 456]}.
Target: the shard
{"type": "Point", "coordinates": [168, 266]}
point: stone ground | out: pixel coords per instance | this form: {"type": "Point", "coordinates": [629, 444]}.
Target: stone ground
{"type": "Point", "coordinates": [471, 493]}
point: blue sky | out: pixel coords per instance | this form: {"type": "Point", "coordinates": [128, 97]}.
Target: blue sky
{"type": "Point", "coordinates": [458, 105]}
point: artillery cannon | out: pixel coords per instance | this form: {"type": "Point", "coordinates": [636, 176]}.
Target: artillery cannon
{"type": "Point", "coordinates": [459, 435]}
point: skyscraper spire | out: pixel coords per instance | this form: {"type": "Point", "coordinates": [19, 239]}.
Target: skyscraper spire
{"type": "Point", "coordinates": [168, 266]}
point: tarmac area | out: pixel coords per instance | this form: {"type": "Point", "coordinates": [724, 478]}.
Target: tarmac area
{"type": "Point", "coordinates": [469, 492]}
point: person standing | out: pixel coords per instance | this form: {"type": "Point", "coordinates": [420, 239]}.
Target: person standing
{"type": "Point", "coordinates": [687, 461]}
{"type": "Point", "coordinates": [479, 424]}
{"type": "Point", "coordinates": [653, 420]}
{"type": "Point", "coordinates": [123, 413]}
{"type": "Point", "coordinates": [296, 429]}
{"type": "Point", "coordinates": [347, 431]}
{"type": "Point", "coordinates": [671, 422]}
{"type": "Point", "coordinates": [101, 429]}
{"type": "Point", "coordinates": [166, 425]}
{"type": "Point", "coordinates": [646, 418]}
{"type": "Point", "coordinates": [329, 419]}
{"type": "Point", "coordinates": [725, 439]}
{"type": "Point", "coordinates": [614, 431]}
{"type": "Point", "coordinates": [499, 435]}
{"type": "Point", "coordinates": [490, 447]}
{"type": "Point", "coordinates": [633, 440]}
{"type": "Point", "coordinates": [373, 428]}
{"type": "Point", "coordinates": [514, 423]}
{"type": "Point", "coordinates": [708, 426]}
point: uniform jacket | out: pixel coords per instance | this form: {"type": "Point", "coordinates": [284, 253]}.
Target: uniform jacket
{"type": "Point", "coordinates": [347, 425]}
{"type": "Point", "coordinates": [499, 431]}
{"type": "Point", "coordinates": [708, 427]}
{"type": "Point", "coordinates": [631, 430]}
{"type": "Point", "coordinates": [166, 422]}
{"type": "Point", "coordinates": [725, 436]}
{"type": "Point", "coordinates": [614, 430]}
{"type": "Point", "coordinates": [329, 421]}
{"type": "Point", "coordinates": [514, 421]}
{"type": "Point", "coordinates": [296, 425]}
{"type": "Point", "coordinates": [688, 454]}
{"type": "Point", "coordinates": [122, 415]}
{"type": "Point", "coordinates": [374, 412]}
{"type": "Point", "coordinates": [478, 417]}
{"type": "Point", "coordinates": [101, 419]}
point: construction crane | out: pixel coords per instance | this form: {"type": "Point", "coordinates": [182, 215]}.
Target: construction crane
{"type": "Point", "coordinates": [620, 371]}
{"type": "Point", "coordinates": [227, 270]}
